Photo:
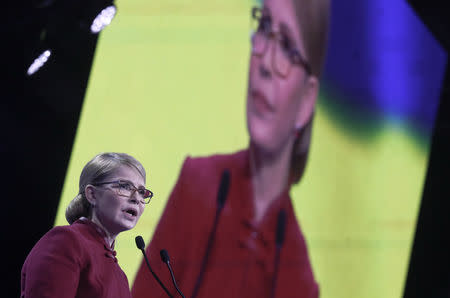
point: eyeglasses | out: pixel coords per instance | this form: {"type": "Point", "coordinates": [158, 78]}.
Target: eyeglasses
{"type": "Point", "coordinates": [284, 54]}
{"type": "Point", "coordinates": [127, 189]}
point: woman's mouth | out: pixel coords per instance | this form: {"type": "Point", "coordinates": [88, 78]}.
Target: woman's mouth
{"type": "Point", "coordinates": [131, 212]}
{"type": "Point", "coordinates": [260, 102]}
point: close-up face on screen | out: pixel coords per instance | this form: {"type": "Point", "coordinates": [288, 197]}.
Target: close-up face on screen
{"type": "Point", "coordinates": [277, 148]}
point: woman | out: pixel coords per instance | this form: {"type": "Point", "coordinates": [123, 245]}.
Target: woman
{"type": "Point", "coordinates": [79, 260]}
{"type": "Point", "coordinates": [253, 247]}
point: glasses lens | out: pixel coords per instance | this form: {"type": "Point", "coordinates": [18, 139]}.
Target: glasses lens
{"type": "Point", "coordinates": [281, 60]}
{"type": "Point", "coordinates": [125, 188]}
{"type": "Point", "coordinates": [258, 43]}
{"type": "Point", "coordinates": [145, 195]}
{"type": "Point", "coordinates": [258, 29]}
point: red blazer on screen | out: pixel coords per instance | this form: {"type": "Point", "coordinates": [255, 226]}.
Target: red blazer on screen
{"type": "Point", "coordinates": [73, 261]}
{"type": "Point", "coordinates": [242, 259]}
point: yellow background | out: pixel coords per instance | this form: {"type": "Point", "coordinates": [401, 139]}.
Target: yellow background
{"type": "Point", "coordinates": [169, 80]}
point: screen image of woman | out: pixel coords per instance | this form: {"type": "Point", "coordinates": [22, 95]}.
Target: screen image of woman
{"type": "Point", "coordinates": [229, 224]}
{"type": "Point", "coordinates": [79, 260]}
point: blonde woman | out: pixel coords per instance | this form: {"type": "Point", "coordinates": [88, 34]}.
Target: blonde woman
{"type": "Point", "coordinates": [252, 246]}
{"type": "Point", "coordinates": [79, 260]}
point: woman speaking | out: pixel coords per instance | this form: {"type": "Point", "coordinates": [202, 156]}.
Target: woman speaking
{"type": "Point", "coordinates": [79, 260]}
{"type": "Point", "coordinates": [229, 224]}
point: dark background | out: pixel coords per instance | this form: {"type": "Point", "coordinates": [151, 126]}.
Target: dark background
{"type": "Point", "coordinates": [39, 117]}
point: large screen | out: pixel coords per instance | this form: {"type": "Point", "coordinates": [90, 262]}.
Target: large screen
{"type": "Point", "coordinates": [169, 81]}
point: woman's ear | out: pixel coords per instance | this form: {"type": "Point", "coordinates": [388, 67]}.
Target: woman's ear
{"type": "Point", "coordinates": [89, 192]}
{"type": "Point", "coordinates": [308, 101]}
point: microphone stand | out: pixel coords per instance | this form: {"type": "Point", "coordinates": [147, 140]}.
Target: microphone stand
{"type": "Point", "coordinates": [165, 258]}
{"type": "Point", "coordinates": [281, 226]}
{"type": "Point", "coordinates": [221, 197]}
{"type": "Point", "coordinates": [140, 245]}
{"type": "Point", "coordinates": [206, 257]}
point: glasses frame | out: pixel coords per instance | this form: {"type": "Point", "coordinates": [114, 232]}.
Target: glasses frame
{"type": "Point", "coordinates": [295, 58]}
{"type": "Point", "coordinates": [132, 192]}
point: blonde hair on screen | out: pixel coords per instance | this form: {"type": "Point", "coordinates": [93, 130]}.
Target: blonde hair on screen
{"type": "Point", "coordinates": [313, 18]}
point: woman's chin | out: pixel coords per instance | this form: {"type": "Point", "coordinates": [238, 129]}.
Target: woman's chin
{"type": "Point", "coordinates": [262, 143]}
{"type": "Point", "coordinates": [261, 137]}
{"type": "Point", "coordinates": [123, 226]}
{"type": "Point", "coordinates": [128, 226]}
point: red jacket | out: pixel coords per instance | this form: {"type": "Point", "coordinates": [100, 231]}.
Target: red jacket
{"type": "Point", "coordinates": [73, 261]}
{"type": "Point", "coordinates": [242, 258]}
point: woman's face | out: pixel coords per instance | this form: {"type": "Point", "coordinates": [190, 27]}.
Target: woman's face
{"type": "Point", "coordinates": [277, 105]}
{"type": "Point", "coordinates": [117, 213]}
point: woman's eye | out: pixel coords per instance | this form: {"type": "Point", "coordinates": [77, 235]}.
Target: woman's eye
{"type": "Point", "coordinates": [126, 186]}
{"type": "Point", "coordinates": [286, 44]}
{"type": "Point", "coordinates": [265, 24]}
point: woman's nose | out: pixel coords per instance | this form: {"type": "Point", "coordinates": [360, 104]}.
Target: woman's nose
{"type": "Point", "coordinates": [134, 197]}
{"type": "Point", "coordinates": [265, 63]}
{"type": "Point", "coordinates": [264, 71]}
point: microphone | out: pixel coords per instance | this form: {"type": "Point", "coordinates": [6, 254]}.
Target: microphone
{"type": "Point", "coordinates": [279, 240]}
{"type": "Point", "coordinates": [165, 258]}
{"type": "Point", "coordinates": [223, 189]}
{"type": "Point", "coordinates": [141, 245]}
{"type": "Point", "coordinates": [140, 242]}
{"type": "Point", "coordinates": [222, 194]}
{"type": "Point", "coordinates": [281, 226]}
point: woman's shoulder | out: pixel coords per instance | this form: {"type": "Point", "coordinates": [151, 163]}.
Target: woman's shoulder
{"type": "Point", "coordinates": [60, 236]}
{"type": "Point", "coordinates": [60, 240]}
{"type": "Point", "coordinates": [77, 235]}
{"type": "Point", "coordinates": [215, 162]}
{"type": "Point", "coordinates": [218, 158]}
{"type": "Point", "coordinates": [200, 177]}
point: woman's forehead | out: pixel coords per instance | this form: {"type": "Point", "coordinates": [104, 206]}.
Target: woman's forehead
{"type": "Point", "coordinates": [129, 173]}
{"type": "Point", "coordinates": [282, 13]}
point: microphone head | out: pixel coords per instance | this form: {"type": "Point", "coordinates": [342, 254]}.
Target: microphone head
{"type": "Point", "coordinates": [223, 188]}
{"type": "Point", "coordinates": [164, 256]}
{"type": "Point", "coordinates": [139, 242]}
{"type": "Point", "coordinates": [281, 226]}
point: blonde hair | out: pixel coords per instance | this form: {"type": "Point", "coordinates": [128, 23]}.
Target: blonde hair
{"type": "Point", "coordinates": [96, 170]}
{"type": "Point", "coordinates": [313, 17]}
